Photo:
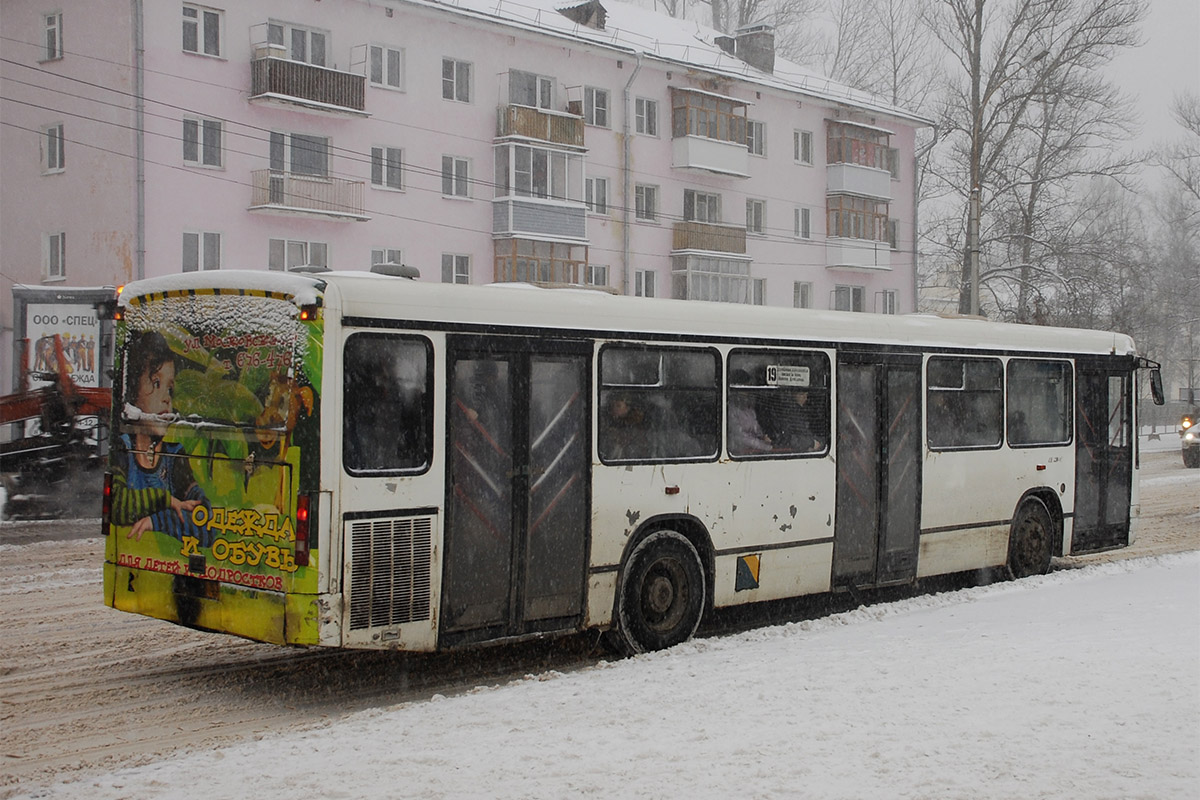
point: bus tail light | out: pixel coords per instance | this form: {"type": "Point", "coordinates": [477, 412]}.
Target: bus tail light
{"type": "Point", "coordinates": [106, 504]}
{"type": "Point", "coordinates": [305, 506]}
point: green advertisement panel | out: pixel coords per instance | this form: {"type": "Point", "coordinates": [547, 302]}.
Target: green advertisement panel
{"type": "Point", "coordinates": [215, 436]}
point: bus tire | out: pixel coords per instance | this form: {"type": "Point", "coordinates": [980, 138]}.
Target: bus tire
{"type": "Point", "coordinates": [1030, 542]}
{"type": "Point", "coordinates": [661, 594]}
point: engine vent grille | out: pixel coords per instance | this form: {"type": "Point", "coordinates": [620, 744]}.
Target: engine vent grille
{"type": "Point", "coordinates": [389, 571]}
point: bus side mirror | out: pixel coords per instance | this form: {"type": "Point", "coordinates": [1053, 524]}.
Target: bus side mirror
{"type": "Point", "coordinates": [1156, 390]}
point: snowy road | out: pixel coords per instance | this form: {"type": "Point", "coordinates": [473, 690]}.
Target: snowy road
{"type": "Point", "coordinates": [1083, 683]}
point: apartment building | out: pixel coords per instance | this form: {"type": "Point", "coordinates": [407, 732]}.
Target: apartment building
{"type": "Point", "coordinates": [577, 142]}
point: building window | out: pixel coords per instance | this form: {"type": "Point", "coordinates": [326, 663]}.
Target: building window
{"type": "Point", "coordinates": [852, 144]}
{"type": "Point", "coordinates": [301, 44]}
{"type": "Point", "coordinates": [201, 30]}
{"type": "Point", "coordinates": [885, 302]}
{"type": "Point", "coordinates": [54, 36]}
{"type": "Point", "coordinates": [202, 142]}
{"type": "Point", "coordinates": [300, 154]}
{"type": "Point", "coordinates": [645, 199]}
{"type": "Point", "coordinates": [386, 255]}
{"type": "Point", "coordinates": [802, 294]}
{"type": "Point", "coordinates": [710, 277]}
{"type": "Point", "coordinates": [526, 171]}
{"type": "Point", "coordinates": [643, 283]}
{"type": "Point", "coordinates": [848, 298]}
{"type": "Point", "coordinates": [456, 268]}
{"type": "Point", "coordinates": [708, 115]}
{"type": "Point", "coordinates": [701, 206]}
{"type": "Point", "coordinates": [55, 256]}
{"type": "Point", "coordinates": [595, 195]}
{"type": "Point", "coordinates": [596, 275]}
{"type": "Point", "coordinates": [802, 147]}
{"type": "Point", "coordinates": [53, 149]}
{"type": "Point", "coordinates": [456, 176]}
{"type": "Point", "coordinates": [756, 216]}
{"type": "Point", "coordinates": [456, 80]}
{"type": "Point", "coordinates": [528, 89]}
{"type": "Point", "coordinates": [387, 167]}
{"type": "Point", "coordinates": [893, 233]}
{"type": "Point", "coordinates": [803, 223]}
{"type": "Point", "coordinates": [595, 106]}
{"type": "Point", "coordinates": [856, 218]}
{"type": "Point", "coordinates": [646, 116]}
{"type": "Point", "coordinates": [387, 66]}
{"type": "Point", "coordinates": [756, 137]}
{"type": "Point", "coordinates": [758, 291]}
{"type": "Point", "coordinates": [286, 254]}
{"type": "Point", "coordinates": [893, 162]}
{"type": "Point", "coordinates": [201, 251]}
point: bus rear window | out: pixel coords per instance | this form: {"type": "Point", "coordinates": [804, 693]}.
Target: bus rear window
{"type": "Point", "coordinates": [965, 403]}
{"type": "Point", "coordinates": [388, 397]}
{"type": "Point", "coordinates": [658, 404]}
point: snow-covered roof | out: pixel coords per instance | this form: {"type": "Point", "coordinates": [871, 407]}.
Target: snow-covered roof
{"type": "Point", "coordinates": [650, 34]}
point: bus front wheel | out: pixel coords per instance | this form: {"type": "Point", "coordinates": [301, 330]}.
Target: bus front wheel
{"type": "Point", "coordinates": [1030, 541]}
{"type": "Point", "coordinates": [660, 598]}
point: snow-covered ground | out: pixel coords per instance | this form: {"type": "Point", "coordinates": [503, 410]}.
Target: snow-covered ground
{"type": "Point", "coordinates": [1084, 683]}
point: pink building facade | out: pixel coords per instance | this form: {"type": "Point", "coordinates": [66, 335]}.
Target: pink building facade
{"type": "Point", "coordinates": [594, 143]}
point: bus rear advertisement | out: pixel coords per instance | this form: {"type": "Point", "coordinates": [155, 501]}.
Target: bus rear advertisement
{"type": "Point", "coordinates": [349, 459]}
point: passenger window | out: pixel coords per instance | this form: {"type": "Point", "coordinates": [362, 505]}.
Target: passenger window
{"type": "Point", "coordinates": [658, 404]}
{"type": "Point", "coordinates": [778, 403]}
{"type": "Point", "coordinates": [1039, 403]}
{"type": "Point", "coordinates": [387, 421]}
{"type": "Point", "coordinates": [965, 403]}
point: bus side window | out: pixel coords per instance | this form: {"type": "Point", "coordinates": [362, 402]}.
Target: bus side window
{"type": "Point", "coordinates": [778, 403]}
{"type": "Point", "coordinates": [1039, 402]}
{"type": "Point", "coordinates": [965, 403]}
{"type": "Point", "coordinates": [387, 404]}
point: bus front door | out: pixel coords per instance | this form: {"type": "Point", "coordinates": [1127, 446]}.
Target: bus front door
{"type": "Point", "coordinates": [1103, 455]}
{"type": "Point", "coordinates": [517, 505]}
{"type": "Point", "coordinates": [877, 530]}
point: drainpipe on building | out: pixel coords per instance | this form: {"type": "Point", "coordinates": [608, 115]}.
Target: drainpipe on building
{"type": "Point", "coordinates": [139, 133]}
{"type": "Point", "coordinates": [625, 176]}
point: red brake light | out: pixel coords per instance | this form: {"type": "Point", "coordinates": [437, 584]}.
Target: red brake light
{"type": "Point", "coordinates": [106, 504]}
{"type": "Point", "coordinates": [303, 506]}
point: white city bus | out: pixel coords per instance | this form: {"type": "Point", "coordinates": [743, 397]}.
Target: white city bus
{"type": "Point", "coordinates": [355, 460]}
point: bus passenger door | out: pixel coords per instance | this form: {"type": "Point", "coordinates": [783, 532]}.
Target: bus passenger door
{"type": "Point", "coordinates": [517, 505]}
{"type": "Point", "coordinates": [877, 531]}
{"type": "Point", "coordinates": [1103, 455]}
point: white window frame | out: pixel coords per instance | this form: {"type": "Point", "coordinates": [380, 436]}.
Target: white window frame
{"type": "Point", "coordinates": [287, 254]}
{"type": "Point", "coordinates": [802, 147]}
{"type": "Point", "coordinates": [283, 150]}
{"type": "Point", "coordinates": [802, 223]}
{"type": "Point", "coordinates": [54, 256]}
{"type": "Point", "coordinates": [802, 293]}
{"type": "Point", "coordinates": [386, 255]}
{"type": "Point", "coordinates": [645, 202]}
{"type": "Point", "coordinates": [893, 233]}
{"type": "Point", "coordinates": [391, 68]}
{"type": "Point", "coordinates": [596, 106]}
{"type": "Point", "coordinates": [758, 291]}
{"type": "Point", "coordinates": [456, 268]}
{"type": "Point", "coordinates": [53, 149]}
{"type": "Point", "coordinates": [202, 21]}
{"type": "Point", "coordinates": [52, 36]}
{"type": "Point", "coordinates": [543, 87]}
{"type": "Point", "coordinates": [845, 297]}
{"type": "Point", "coordinates": [886, 302]}
{"type": "Point", "coordinates": [756, 216]}
{"type": "Point", "coordinates": [284, 34]}
{"type": "Point", "coordinates": [644, 283]}
{"type": "Point", "coordinates": [704, 206]}
{"type": "Point", "coordinates": [457, 86]}
{"type": "Point", "coordinates": [203, 130]}
{"type": "Point", "coordinates": [595, 274]}
{"type": "Point", "coordinates": [756, 137]}
{"type": "Point", "coordinates": [646, 116]}
{"type": "Point", "coordinates": [893, 162]}
{"type": "Point", "coordinates": [204, 247]}
{"type": "Point", "coordinates": [456, 176]}
{"type": "Point", "coordinates": [387, 168]}
{"type": "Point", "coordinates": [595, 195]}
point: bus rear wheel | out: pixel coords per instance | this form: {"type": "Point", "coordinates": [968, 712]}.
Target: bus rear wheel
{"type": "Point", "coordinates": [661, 595]}
{"type": "Point", "coordinates": [1029, 547]}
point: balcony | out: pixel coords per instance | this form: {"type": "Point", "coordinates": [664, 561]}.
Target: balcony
{"type": "Point", "coordinates": [534, 217]}
{"type": "Point", "coordinates": [859, 180]}
{"type": "Point", "coordinates": [542, 263]}
{"type": "Point", "coordinates": [709, 237]}
{"type": "Point", "coordinates": [539, 123]}
{"type": "Point", "coordinates": [274, 79]}
{"type": "Point", "coordinates": [307, 195]}
{"type": "Point", "coordinates": [862, 255]}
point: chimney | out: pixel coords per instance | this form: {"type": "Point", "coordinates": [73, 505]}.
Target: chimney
{"type": "Point", "coordinates": [726, 43]}
{"type": "Point", "coordinates": [756, 46]}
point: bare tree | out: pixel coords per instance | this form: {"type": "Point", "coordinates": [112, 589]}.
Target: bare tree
{"type": "Point", "coordinates": [1181, 158]}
